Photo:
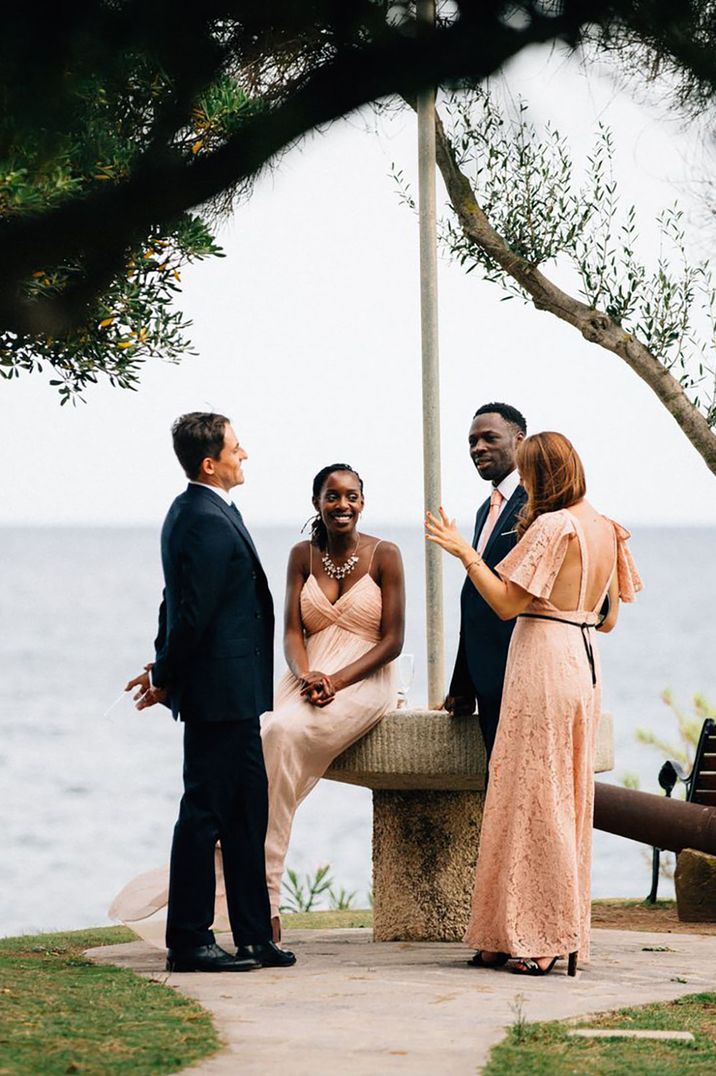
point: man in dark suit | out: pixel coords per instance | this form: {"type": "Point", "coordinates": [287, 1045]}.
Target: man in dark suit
{"type": "Point", "coordinates": [479, 673]}
{"type": "Point", "coordinates": [214, 669]}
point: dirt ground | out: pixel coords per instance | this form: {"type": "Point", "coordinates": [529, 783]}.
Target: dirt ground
{"type": "Point", "coordinates": [636, 915]}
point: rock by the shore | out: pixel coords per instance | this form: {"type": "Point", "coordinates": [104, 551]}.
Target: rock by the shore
{"type": "Point", "coordinates": [695, 883]}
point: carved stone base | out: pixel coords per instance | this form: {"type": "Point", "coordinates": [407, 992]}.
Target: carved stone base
{"type": "Point", "coordinates": [424, 854]}
{"type": "Point", "coordinates": [695, 883]}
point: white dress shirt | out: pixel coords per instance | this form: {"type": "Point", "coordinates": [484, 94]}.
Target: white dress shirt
{"type": "Point", "coordinates": [506, 487]}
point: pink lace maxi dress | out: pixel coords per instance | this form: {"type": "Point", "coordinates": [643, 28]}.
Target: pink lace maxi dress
{"type": "Point", "coordinates": [299, 741]}
{"type": "Point", "coordinates": [532, 885]}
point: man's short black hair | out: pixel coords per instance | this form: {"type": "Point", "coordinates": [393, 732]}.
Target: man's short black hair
{"type": "Point", "coordinates": [507, 411]}
{"type": "Point", "coordinates": [196, 436]}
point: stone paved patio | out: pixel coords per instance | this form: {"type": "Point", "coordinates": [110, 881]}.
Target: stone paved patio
{"type": "Point", "coordinates": [365, 1009]}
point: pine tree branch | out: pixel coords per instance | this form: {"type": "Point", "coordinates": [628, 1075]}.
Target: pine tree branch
{"type": "Point", "coordinates": [160, 189]}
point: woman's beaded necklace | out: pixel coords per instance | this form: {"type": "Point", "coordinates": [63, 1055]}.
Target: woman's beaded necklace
{"type": "Point", "coordinates": [340, 571]}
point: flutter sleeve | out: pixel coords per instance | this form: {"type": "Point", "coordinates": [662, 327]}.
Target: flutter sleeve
{"type": "Point", "coordinates": [536, 559]}
{"type": "Point", "coordinates": [627, 575]}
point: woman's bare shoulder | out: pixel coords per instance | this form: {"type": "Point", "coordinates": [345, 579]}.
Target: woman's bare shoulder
{"type": "Point", "coordinates": [300, 554]}
{"type": "Point", "coordinates": [381, 547]}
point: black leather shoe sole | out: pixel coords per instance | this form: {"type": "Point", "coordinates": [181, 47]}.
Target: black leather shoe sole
{"type": "Point", "coordinates": [212, 966]}
{"type": "Point", "coordinates": [268, 955]}
{"type": "Point", "coordinates": [270, 962]}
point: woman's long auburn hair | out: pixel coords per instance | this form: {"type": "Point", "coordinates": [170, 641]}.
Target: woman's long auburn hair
{"type": "Point", "coordinates": [551, 472]}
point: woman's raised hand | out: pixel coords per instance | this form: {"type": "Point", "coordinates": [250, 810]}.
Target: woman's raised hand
{"type": "Point", "coordinates": [444, 533]}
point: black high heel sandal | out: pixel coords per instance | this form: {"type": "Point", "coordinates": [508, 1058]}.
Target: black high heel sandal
{"type": "Point", "coordinates": [531, 967]}
{"type": "Point", "coordinates": [477, 962]}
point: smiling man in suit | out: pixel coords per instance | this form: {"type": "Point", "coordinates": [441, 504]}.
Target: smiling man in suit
{"type": "Point", "coordinates": [214, 669]}
{"type": "Point", "coordinates": [479, 673]}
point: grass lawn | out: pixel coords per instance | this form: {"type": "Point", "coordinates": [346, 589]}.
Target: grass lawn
{"type": "Point", "coordinates": [361, 917]}
{"type": "Point", "coordinates": [61, 1014]}
{"type": "Point", "coordinates": [546, 1049]}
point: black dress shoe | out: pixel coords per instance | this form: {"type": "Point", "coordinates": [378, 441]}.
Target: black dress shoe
{"type": "Point", "coordinates": [209, 958]}
{"type": "Point", "coordinates": [267, 954]}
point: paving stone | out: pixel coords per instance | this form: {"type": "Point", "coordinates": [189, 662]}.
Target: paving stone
{"type": "Point", "coordinates": [627, 1033]}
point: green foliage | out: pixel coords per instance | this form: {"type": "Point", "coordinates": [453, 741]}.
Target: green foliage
{"type": "Point", "coordinates": [548, 1049]}
{"type": "Point", "coordinates": [105, 130]}
{"type": "Point", "coordinates": [525, 183]}
{"type": "Point", "coordinates": [341, 900]}
{"type": "Point", "coordinates": [133, 320]}
{"type": "Point", "coordinates": [688, 727]}
{"type": "Point", "coordinates": [304, 896]}
{"type": "Point", "coordinates": [60, 1013]}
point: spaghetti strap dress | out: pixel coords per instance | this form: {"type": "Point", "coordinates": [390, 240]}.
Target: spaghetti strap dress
{"type": "Point", "coordinates": [299, 741]}
{"type": "Point", "coordinates": [532, 885]}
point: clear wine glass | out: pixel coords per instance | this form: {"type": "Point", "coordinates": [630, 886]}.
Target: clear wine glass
{"type": "Point", "coordinates": [405, 668]}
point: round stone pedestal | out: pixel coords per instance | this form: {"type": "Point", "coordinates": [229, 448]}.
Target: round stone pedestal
{"type": "Point", "coordinates": [424, 853]}
{"type": "Point", "coordinates": [427, 772]}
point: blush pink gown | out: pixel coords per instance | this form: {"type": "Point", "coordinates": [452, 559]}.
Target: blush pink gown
{"type": "Point", "coordinates": [299, 740]}
{"type": "Point", "coordinates": [532, 884]}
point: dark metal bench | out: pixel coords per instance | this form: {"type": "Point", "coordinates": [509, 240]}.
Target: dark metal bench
{"type": "Point", "coordinates": [700, 785]}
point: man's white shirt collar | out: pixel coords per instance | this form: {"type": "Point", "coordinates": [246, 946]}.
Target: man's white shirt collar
{"type": "Point", "coordinates": [214, 489]}
{"type": "Point", "coordinates": [509, 484]}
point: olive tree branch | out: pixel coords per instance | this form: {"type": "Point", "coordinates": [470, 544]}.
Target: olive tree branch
{"type": "Point", "coordinates": [595, 325]}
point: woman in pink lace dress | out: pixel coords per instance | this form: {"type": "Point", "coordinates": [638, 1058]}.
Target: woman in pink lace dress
{"type": "Point", "coordinates": [531, 900]}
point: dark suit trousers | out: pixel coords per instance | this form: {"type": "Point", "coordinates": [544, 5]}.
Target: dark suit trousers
{"type": "Point", "coordinates": [488, 710]}
{"type": "Point", "coordinates": [225, 799]}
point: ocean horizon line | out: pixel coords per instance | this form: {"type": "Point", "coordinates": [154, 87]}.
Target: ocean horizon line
{"type": "Point", "coordinates": [259, 524]}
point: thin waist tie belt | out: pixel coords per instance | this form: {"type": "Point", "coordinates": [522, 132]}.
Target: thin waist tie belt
{"type": "Point", "coordinates": [575, 624]}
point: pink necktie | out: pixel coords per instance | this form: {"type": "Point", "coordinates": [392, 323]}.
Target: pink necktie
{"type": "Point", "coordinates": [496, 502]}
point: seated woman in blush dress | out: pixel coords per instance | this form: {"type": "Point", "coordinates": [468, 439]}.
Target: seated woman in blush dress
{"type": "Point", "coordinates": [531, 900]}
{"type": "Point", "coordinates": [344, 625]}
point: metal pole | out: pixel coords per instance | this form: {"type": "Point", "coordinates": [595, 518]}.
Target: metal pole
{"type": "Point", "coordinates": [431, 373]}
{"type": "Point", "coordinates": [654, 820]}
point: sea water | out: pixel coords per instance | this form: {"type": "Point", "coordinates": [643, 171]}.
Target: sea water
{"type": "Point", "coordinates": [89, 800]}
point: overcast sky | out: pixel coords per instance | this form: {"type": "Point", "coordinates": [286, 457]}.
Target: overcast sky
{"type": "Point", "coordinates": [307, 336]}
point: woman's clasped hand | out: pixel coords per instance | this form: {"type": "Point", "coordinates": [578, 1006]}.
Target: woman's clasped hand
{"type": "Point", "coordinates": [318, 688]}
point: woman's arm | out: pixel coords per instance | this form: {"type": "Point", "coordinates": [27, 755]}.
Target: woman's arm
{"type": "Point", "coordinates": [611, 618]}
{"type": "Point", "coordinates": [389, 569]}
{"type": "Point", "coordinates": [294, 645]}
{"type": "Point", "coordinates": [507, 599]}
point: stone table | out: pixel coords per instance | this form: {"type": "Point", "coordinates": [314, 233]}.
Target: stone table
{"type": "Point", "coordinates": [427, 772]}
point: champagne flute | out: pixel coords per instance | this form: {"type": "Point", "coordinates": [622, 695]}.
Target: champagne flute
{"type": "Point", "coordinates": [405, 669]}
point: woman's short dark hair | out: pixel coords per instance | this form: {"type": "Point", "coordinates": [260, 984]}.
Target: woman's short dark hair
{"type": "Point", "coordinates": [196, 436]}
{"type": "Point", "coordinates": [319, 534]}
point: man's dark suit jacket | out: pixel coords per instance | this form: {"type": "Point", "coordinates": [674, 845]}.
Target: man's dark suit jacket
{"type": "Point", "coordinates": [214, 648]}
{"type": "Point", "coordinates": [484, 638]}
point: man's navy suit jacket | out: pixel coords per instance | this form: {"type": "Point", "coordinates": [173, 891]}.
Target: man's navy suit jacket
{"type": "Point", "coordinates": [214, 648]}
{"type": "Point", "coordinates": [484, 638]}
